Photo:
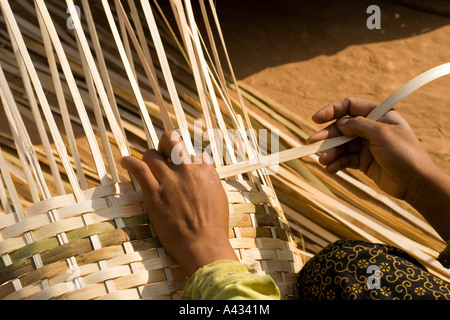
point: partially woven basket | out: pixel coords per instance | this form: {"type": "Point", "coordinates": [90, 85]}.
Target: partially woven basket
{"type": "Point", "coordinates": [71, 222]}
{"type": "Point", "coordinates": [114, 254]}
{"type": "Point", "coordinates": [73, 226]}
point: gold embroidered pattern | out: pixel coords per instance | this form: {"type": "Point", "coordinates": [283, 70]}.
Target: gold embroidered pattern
{"type": "Point", "coordinates": [357, 270]}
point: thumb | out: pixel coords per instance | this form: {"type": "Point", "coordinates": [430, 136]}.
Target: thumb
{"type": "Point", "coordinates": [359, 126]}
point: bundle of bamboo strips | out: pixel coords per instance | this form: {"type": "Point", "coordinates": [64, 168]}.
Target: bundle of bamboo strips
{"type": "Point", "coordinates": [79, 90]}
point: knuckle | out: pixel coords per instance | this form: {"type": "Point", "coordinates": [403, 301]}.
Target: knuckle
{"type": "Point", "coordinates": [347, 101]}
{"type": "Point", "coordinates": [350, 99]}
{"type": "Point", "coordinates": [167, 135]}
{"type": "Point", "coordinates": [150, 155]}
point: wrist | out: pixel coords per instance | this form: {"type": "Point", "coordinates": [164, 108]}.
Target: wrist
{"type": "Point", "coordinates": [429, 194]}
{"type": "Point", "coordinates": [423, 184]}
{"type": "Point", "coordinates": [197, 255]}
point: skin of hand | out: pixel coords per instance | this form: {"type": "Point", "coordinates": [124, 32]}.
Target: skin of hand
{"type": "Point", "coordinates": [387, 150]}
{"type": "Point", "coordinates": [186, 203]}
{"type": "Point", "coordinates": [389, 153]}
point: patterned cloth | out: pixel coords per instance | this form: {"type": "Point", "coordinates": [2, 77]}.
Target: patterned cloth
{"type": "Point", "coordinates": [357, 270]}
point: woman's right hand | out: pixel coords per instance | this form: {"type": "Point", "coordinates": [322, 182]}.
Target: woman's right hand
{"type": "Point", "coordinates": [386, 150]}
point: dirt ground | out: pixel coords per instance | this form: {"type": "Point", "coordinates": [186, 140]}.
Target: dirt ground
{"type": "Point", "coordinates": [305, 54]}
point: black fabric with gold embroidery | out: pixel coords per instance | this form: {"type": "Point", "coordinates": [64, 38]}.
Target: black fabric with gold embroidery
{"type": "Point", "coordinates": [357, 270]}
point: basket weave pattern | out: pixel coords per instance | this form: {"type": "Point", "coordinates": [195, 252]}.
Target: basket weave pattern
{"type": "Point", "coordinates": [124, 260]}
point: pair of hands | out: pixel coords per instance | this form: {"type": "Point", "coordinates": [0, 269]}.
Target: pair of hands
{"type": "Point", "coordinates": [188, 208]}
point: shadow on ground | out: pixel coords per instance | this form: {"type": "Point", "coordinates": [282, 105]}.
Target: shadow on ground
{"type": "Point", "coordinates": [261, 34]}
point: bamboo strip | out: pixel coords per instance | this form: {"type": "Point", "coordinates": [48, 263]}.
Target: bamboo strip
{"type": "Point", "coordinates": [373, 194]}
{"type": "Point", "coordinates": [41, 95]}
{"type": "Point", "coordinates": [14, 118]}
{"type": "Point", "coordinates": [116, 129]}
{"type": "Point", "coordinates": [121, 142]}
{"type": "Point", "coordinates": [153, 141]}
{"type": "Point", "coordinates": [27, 237]}
{"type": "Point", "coordinates": [50, 28]}
{"type": "Point", "coordinates": [21, 137]}
{"type": "Point", "coordinates": [295, 153]}
{"type": "Point", "coordinates": [99, 119]}
{"type": "Point", "coordinates": [101, 60]}
{"type": "Point", "coordinates": [168, 76]}
{"type": "Point", "coordinates": [206, 76]}
{"type": "Point", "coordinates": [145, 58]}
{"type": "Point", "coordinates": [62, 103]}
{"type": "Point", "coordinates": [38, 121]}
{"type": "Point", "coordinates": [213, 48]}
{"type": "Point", "coordinates": [5, 203]}
{"type": "Point", "coordinates": [253, 138]}
{"type": "Point", "coordinates": [182, 23]}
{"type": "Point", "coordinates": [169, 27]}
{"type": "Point", "coordinates": [28, 178]}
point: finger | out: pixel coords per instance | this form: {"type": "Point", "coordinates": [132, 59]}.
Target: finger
{"type": "Point", "coordinates": [171, 146]}
{"type": "Point", "coordinates": [157, 164]}
{"type": "Point", "coordinates": [347, 106]}
{"type": "Point", "coordinates": [330, 155]}
{"type": "Point", "coordinates": [366, 157]}
{"type": "Point", "coordinates": [348, 160]}
{"type": "Point", "coordinates": [360, 126]}
{"type": "Point", "coordinates": [330, 131]}
{"type": "Point", "coordinates": [392, 117]}
{"type": "Point", "coordinates": [141, 172]}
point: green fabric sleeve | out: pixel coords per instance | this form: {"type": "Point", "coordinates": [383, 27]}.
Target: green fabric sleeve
{"type": "Point", "coordinates": [229, 280]}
